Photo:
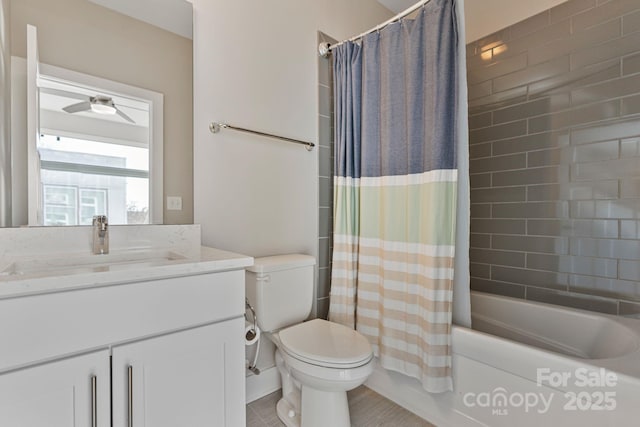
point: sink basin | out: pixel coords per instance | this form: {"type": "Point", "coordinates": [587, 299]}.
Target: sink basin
{"type": "Point", "coordinates": [78, 264]}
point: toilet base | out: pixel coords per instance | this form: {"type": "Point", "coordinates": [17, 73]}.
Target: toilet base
{"type": "Point", "coordinates": [314, 409]}
{"type": "Point", "coordinates": [287, 413]}
{"type": "Point", "coordinates": [324, 408]}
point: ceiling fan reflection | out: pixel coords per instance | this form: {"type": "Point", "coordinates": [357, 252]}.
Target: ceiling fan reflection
{"type": "Point", "coordinates": [99, 104]}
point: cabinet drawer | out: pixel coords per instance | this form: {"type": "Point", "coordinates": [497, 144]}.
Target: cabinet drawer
{"type": "Point", "coordinates": [41, 327]}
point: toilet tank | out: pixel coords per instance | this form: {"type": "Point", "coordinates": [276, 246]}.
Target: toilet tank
{"type": "Point", "coordinates": [280, 288]}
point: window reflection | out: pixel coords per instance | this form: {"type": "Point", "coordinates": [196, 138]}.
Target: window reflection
{"type": "Point", "coordinates": [82, 178]}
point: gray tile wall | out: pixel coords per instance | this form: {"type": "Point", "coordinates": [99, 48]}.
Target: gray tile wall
{"type": "Point", "coordinates": [325, 172]}
{"type": "Point", "coordinates": [554, 113]}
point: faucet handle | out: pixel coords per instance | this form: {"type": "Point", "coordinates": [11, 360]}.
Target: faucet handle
{"type": "Point", "coordinates": [98, 219]}
{"type": "Point", "coordinates": [101, 221]}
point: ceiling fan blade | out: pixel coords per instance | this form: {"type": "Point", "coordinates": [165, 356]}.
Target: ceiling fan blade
{"type": "Point", "coordinates": [76, 108]}
{"type": "Point", "coordinates": [124, 116]}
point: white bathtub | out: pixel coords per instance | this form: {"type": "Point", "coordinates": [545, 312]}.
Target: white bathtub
{"type": "Point", "coordinates": [532, 364]}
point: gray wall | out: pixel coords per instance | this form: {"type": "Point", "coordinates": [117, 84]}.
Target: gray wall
{"type": "Point", "coordinates": [325, 179]}
{"type": "Point", "coordinates": [5, 115]}
{"type": "Point", "coordinates": [555, 157]}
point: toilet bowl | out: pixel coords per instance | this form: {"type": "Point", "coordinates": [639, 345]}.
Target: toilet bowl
{"type": "Point", "coordinates": [319, 361]}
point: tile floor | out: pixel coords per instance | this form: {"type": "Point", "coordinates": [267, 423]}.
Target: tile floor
{"type": "Point", "coordinates": [368, 409]}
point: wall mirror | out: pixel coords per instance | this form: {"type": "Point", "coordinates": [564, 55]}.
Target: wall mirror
{"type": "Point", "coordinates": [95, 149]}
{"type": "Point", "coordinates": [107, 73]}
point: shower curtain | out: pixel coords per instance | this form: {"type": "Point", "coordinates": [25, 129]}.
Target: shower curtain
{"type": "Point", "coordinates": [401, 191]}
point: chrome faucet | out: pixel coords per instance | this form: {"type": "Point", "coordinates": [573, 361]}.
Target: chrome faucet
{"type": "Point", "coordinates": [100, 235]}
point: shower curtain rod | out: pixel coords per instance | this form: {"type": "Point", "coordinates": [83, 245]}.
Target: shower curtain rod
{"type": "Point", "coordinates": [325, 48]}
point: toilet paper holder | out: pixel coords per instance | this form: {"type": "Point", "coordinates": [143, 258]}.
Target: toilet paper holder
{"type": "Point", "coordinates": [251, 334]}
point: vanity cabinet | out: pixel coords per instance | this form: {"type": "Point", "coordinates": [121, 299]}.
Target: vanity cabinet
{"type": "Point", "coordinates": [167, 352]}
{"type": "Point", "coordinates": [69, 392]}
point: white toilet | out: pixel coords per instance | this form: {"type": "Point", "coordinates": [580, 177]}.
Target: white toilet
{"type": "Point", "coordinates": [319, 361]}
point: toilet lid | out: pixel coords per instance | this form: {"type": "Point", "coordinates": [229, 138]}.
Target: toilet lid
{"type": "Point", "coordinates": [326, 344]}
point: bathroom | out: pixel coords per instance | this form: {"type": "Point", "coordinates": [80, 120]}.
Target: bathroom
{"type": "Point", "coordinates": [255, 64]}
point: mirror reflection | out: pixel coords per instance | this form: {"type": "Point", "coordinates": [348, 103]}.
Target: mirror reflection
{"type": "Point", "coordinates": [93, 152]}
{"type": "Point", "coordinates": [95, 140]}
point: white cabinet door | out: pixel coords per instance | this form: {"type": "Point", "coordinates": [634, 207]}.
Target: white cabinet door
{"type": "Point", "coordinates": [189, 378]}
{"type": "Point", "coordinates": [58, 394]}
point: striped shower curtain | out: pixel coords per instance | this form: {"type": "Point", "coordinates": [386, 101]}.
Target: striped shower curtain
{"type": "Point", "coordinates": [399, 130]}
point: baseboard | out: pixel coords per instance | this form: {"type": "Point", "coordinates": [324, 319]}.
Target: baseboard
{"type": "Point", "coordinates": [408, 393]}
{"type": "Point", "coordinates": [258, 386]}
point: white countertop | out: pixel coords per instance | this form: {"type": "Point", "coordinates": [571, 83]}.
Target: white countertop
{"type": "Point", "coordinates": [193, 262]}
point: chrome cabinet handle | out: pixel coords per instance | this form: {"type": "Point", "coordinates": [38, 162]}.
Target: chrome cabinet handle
{"type": "Point", "coordinates": [130, 372]}
{"type": "Point", "coordinates": [94, 401]}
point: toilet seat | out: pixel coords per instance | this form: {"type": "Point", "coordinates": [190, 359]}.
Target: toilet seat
{"type": "Point", "coordinates": [326, 344]}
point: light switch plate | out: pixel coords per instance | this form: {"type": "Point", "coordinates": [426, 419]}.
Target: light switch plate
{"type": "Point", "coordinates": [174, 203]}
